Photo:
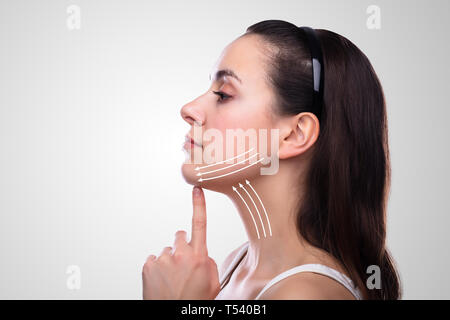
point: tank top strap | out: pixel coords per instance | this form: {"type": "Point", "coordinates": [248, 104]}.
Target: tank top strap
{"type": "Point", "coordinates": [237, 258]}
{"type": "Point", "coordinates": [316, 268]}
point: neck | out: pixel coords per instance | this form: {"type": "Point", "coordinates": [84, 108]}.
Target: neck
{"type": "Point", "coordinates": [279, 195]}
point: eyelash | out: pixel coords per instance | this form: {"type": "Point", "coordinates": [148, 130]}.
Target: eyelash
{"type": "Point", "coordinates": [221, 95]}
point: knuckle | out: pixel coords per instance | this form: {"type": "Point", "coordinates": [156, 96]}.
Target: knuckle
{"type": "Point", "coordinates": [164, 257]}
{"type": "Point", "coordinates": [212, 262]}
{"type": "Point", "coordinates": [178, 256]}
{"type": "Point", "coordinates": [198, 260]}
{"type": "Point", "coordinates": [150, 259]}
{"type": "Point", "coordinates": [180, 233]}
{"type": "Point", "coordinates": [166, 250]}
{"type": "Point", "coordinates": [147, 266]}
{"type": "Point", "coordinates": [199, 223]}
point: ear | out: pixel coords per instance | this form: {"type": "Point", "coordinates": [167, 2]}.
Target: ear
{"type": "Point", "coordinates": [297, 134]}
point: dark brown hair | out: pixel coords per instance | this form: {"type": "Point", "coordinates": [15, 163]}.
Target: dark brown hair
{"type": "Point", "coordinates": [343, 210]}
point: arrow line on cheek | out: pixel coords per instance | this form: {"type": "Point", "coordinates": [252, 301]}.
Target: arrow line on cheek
{"type": "Point", "coordinates": [202, 173]}
{"type": "Point", "coordinates": [223, 175]}
{"type": "Point", "coordinates": [223, 161]}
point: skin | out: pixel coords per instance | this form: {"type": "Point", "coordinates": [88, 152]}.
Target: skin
{"type": "Point", "coordinates": [175, 273]}
{"type": "Point", "coordinates": [183, 271]}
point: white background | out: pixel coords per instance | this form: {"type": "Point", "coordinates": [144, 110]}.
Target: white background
{"type": "Point", "coordinates": [90, 134]}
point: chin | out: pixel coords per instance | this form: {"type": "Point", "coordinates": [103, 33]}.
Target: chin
{"type": "Point", "coordinates": [189, 174]}
{"type": "Point", "coordinates": [223, 184]}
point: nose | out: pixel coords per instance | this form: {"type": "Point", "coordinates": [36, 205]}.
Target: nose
{"type": "Point", "coordinates": [192, 113]}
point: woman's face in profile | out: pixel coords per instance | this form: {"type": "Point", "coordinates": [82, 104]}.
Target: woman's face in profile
{"type": "Point", "coordinates": [240, 108]}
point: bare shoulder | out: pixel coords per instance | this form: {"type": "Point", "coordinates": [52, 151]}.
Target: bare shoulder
{"type": "Point", "coordinates": [226, 263]}
{"type": "Point", "coordinates": [307, 286]}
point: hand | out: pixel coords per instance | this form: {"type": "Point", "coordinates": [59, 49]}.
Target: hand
{"type": "Point", "coordinates": [184, 271]}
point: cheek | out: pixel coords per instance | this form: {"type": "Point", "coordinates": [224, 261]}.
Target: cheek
{"type": "Point", "coordinates": [240, 117]}
{"type": "Point", "coordinates": [247, 118]}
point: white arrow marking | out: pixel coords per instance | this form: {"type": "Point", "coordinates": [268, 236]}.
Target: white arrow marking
{"type": "Point", "coordinates": [202, 173]}
{"type": "Point", "coordinates": [267, 217]}
{"type": "Point", "coordinates": [256, 227]}
{"type": "Point", "coordinates": [260, 219]}
{"type": "Point", "coordinates": [223, 175]}
{"type": "Point", "coordinates": [215, 163]}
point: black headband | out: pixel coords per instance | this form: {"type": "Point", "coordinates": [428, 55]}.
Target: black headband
{"type": "Point", "coordinates": [317, 69]}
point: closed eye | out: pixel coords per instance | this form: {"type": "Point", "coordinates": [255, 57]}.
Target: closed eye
{"type": "Point", "coordinates": [222, 96]}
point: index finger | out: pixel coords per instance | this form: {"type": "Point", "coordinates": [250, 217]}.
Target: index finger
{"type": "Point", "coordinates": [198, 236]}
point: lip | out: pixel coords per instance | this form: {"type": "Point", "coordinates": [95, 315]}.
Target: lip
{"type": "Point", "coordinates": [190, 143]}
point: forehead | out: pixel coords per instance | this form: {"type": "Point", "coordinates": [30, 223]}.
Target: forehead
{"type": "Point", "coordinates": [244, 56]}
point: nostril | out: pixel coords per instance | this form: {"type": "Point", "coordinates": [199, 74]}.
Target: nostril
{"type": "Point", "coordinates": [189, 119]}
{"type": "Point", "coordinates": [191, 116]}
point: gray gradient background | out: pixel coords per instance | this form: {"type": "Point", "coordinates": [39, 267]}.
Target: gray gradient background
{"type": "Point", "coordinates": [90, 134]}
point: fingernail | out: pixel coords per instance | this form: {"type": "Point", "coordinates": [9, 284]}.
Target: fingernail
{"type": "Point", "coordinates": [197, 191]}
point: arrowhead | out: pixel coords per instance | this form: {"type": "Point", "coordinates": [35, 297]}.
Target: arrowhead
{"type": "Point", "coordinates": [199, 174]}
{"type": "Point", "coordinates": [240, 185]}
{"type": "Point", "coordinates": [200, 180]}
{"type": "Point", "coordinates": [246, 181]}
{"type": "Point", "coordinates": [197, 168]}
{"type": "Point", "coordinates": [234, 189]}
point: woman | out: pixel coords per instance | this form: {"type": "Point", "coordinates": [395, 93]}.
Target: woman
{"type": "Point", "coordinates": [318, 224]}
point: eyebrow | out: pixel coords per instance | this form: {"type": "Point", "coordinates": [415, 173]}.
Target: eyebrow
{"type": "Point", "coordinates": [225, 72]}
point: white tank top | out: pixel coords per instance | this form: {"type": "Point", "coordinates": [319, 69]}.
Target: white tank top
{"type": "Point", "coordinates": [316, 268]}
